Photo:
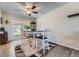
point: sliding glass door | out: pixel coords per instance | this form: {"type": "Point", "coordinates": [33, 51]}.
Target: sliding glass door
{"type": "Point", "coordinates": [17, 31]}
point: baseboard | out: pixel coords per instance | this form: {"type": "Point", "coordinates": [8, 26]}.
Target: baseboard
{"type": "Point", "coordinates": [52, 43]}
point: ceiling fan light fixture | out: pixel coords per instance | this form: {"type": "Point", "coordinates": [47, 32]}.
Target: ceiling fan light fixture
{"type": "Point", "coordinates": [29, 14]}
{"type": "Point", "coordinates": [30, 8]}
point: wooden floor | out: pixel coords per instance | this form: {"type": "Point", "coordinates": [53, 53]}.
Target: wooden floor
{"type": "Point", "coordinates": [8, 50]}
{"type": "Point", "coordinates": [60, 51]}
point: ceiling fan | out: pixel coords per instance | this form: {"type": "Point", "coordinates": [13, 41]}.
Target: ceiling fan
{"type": "Point", "coordinates": [30, 7]}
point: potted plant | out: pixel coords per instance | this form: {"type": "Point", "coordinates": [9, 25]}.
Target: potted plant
{"type": "Point", "coordinates": [26, 28]}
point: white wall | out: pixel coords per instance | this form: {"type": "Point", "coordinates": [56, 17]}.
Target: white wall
{"type": "Point", "coordinates": [62, 28]}
{"type": "Point", "coordinates": [0, 18]}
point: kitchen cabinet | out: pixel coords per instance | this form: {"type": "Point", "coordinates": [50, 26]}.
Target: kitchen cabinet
{"type": "Point", "coordinates": [3, 38]}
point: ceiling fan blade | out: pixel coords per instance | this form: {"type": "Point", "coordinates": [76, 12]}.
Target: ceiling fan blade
{"type": "Point", "coordinates": [35, 12]}
{"type": "Point", "coordinates": [33, 7]}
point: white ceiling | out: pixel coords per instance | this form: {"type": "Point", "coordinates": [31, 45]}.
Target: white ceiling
{"type": "Point", "coordinates": [13, 8]}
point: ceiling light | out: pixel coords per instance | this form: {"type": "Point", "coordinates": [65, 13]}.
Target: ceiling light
{"type": "Point", "coordinates": [30, 8]}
